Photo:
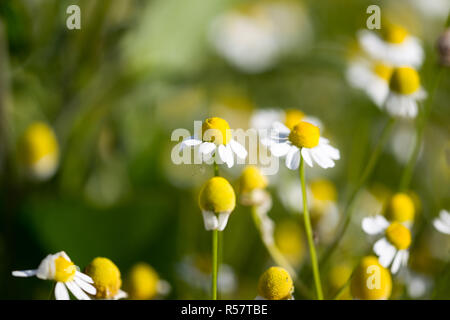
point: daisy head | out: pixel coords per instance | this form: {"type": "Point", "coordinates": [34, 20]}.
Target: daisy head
{"type": "Point", "coordinates": [404, 93]}
{"type": "Point", "coordinates": [394, 45]}
{"type": "Point", "coordinates": [216, 200]}
{"type": "Point", "coordinates": [59, 268]}
{"type": "Point", "coordinates": [216, 142]}
{"type": "Point", "coordinates": [40, 150]}
{"type": "Point", "coordinates": [144, 283]}
{"type": "Point", "coordinates": [304, 141]}
{"type": "Point", "coordinates": [275, 284]}
{"type": "Point", "coordinates": [290, 241]}
{"type": "Point", "coordinates": [442, 223]}
{"type": "Point", "coordinates": [393, 246]}
{"type": "Point", "coordinates": [252, 185]}
{"type": "Point", "coordinates": [370, 280]}
{"type": "Point", "coordinates": [107, 279]}
{"type": "Point", "coordinates": [401, 208]}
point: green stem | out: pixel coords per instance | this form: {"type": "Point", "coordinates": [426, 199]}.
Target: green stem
{"type": "Point", "coordinates": [216, 169]}
{"type": "Point", "coordinates": [309, 234]}
{"type": "Point", "coordinates": [348, 208]}
{"type": "Point", "coordinates": [408, 171]}
{"type": "Point", "coordinates": [215, 265]}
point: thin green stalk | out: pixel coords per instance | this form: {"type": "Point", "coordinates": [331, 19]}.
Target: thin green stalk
{"type": "Point", "coordinates": [408, 171]}
{"type": "Point", "coordinates": [216, 169]}
{"type": "Point", "coordinates": [348, 208]}
{"type": "Point", "coordinates": [215, 265]}
{"type": "Point", "coordinates": [309, 234]}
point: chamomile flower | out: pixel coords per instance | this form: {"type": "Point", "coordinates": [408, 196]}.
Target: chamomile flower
{"type": "Point", "coordinates": [394, 46]}
{"type": "Point", "coordinates": [252, 185]}
{"type": "Point", "coordinates": [393, 248]}
{"type": "Point", "coordinates": [216, 200]}
{"type": "Point", "coordinates": [107, 279]}
{"type": "Point", "coordinates": [289, 239]}
{"type": "Point", "coordinates": [275, 284]}
{"type": "Point", "coordinates": [371, 281]}
{"type": "Point", "coordinates": [401, 208]}
{"type": "Point", "coordinates": [61, 269]}
{"type": "Point", "coordinates": [371, 77]}
{"type": "Point", "coordinates": [264, 118]}
{"type": "Point", "coordinates": [404, 93]}
{"type": "Point", "coordinates": [303, 140]}
{"type": "Point", "coordinates": [442, 224]}
{"type": "Point", "coordinates": [144, 283]}
{"type": "Point", "coordinates": [216, 142]}
{"type": "Point", "coordinates": [40, 150]}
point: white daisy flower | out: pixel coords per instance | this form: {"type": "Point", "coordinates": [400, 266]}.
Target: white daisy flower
{"type": "Point", "coordinates": [216, 142]}
{"type": "Point", "coordinates": [405, 92]}
{"type": "Point", "coordinates": [392, 248]}
{"type": "Point", "coordinates": [60, 268]}
{"type": "Point", "coordinates": [442, 224]}
{"type": "Point", "coordinates": [263, 119]}
{"type": "Point", "coordinates": [394, 46]}
{"type": "Point", "coordinates": [371, 77]}
{"type": "Point", "coordinates": [302, 141]}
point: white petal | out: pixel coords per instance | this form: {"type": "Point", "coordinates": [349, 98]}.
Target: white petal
{"type": "Point", "coordinates": [280, 149]}
{"type": "Point", "coordinates": [293, 158]}
{"type": "Point", "coordinates": [230, 156]}
{"type": "Point", "coordinates": [222, 220]}
{"type": "Point", "coordinates": [163, 287]}
{"type": "Point", "coordinates": [441, 226]}
{"type": "Point", "coordinates": [238, 149]}
{"type": "Point", "coordinates": [385, 252]}
{"type": "Point", "coordinates": [210, 220]}
{"type": "Point", "coordinates": [61, 292]}
{"type": "Point", "coordinates": [85, 286]}
{"type": "Point", "coordinates": [76, 291]}
{"type": "Point", "coordinates": [306, 155]}
{"type": "Point", "coordinates": [24, 273]}
{"type": "Point", "coordinates": [280, 128]}
{"type": "Point", "coordinates": [190, 142]}
{"type": "Point", "coordinates": [321, 158]}
{"type": "Point", "coordinates": [206, 148]}
{"type": "Point", "coordinates": [445, 217]}
{"type": "Point", "coordinates": [397, 262]}
{"type": "Point", "coordinates": [374, 225]}
{"type": "Point", "coordinates": [84, 277]}
{"type": "Point", "coordinates": [121, 295]}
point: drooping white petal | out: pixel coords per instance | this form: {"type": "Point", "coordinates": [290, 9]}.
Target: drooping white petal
{"type": "Point", "coordinates": [441, 226]}
{"type": "Point", "coordinates": [206, 148]}
{"type": "Point", "coordinates": [280, 128]}
{"type": "Point", "coordinates": [24, 273]}
{"type": "Point", "coordinates": [163, 287]}
{"type": "Point", "coordinates": [210, 220]}
{"type": "Point", "coordinates": [222, 220]}
{"type": "Point", "coordinates": [238, 149]}
{"type": "Point", "coordinates": [306, 155]}
{"type": "Point", "coordinates": [120, 295]}
{"type": "Point", "coordinates": [321, 158]}
{"type": "Point", "coordinates": [76, 291]}
{"type": "Point", "coordinates": [385, 252]}
{"type": "Point", "coordinates": [280, 149]}
{"type": "Point", "coordinates": [444, 215]}
{"type": "Point", "coordinates": [85, 286]}
{"type": "Point", "coordinates": [190, 142]}
{"type": "Point", "coordinates": [230, 156]}
{"type": "Point", "coordinates": [293, 158]}
{"type": "Point", "coordinates": [61, 292]}
{"type": "Point", "coordinates": [397, 262]}
{"type": "Point", "coordinates": [374, 225]}
{"type": "Point", "coordinates": [83, 277]}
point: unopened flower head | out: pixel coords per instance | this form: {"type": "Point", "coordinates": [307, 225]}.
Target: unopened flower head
{"type": "Point", "coordinates": [144, 283]}
{"type": "Point", "coordinates": [338, 277]}
{"type": "Point", "coordinates": [394, 45]}
{"type": "Point", "coordinates": [371, 281]}
{"type": "Point", "coordinates": [405, 91]}
{"type": "Point", "coordinates": [252, 184]}
{"type": "Point", "coordinates": [393, 247]}
{"type": "Point", "coordinates": [107, 279]}
{"type": "Point", "coordinates": [40, 150]}
{"type": "Point", "coordinates": [275, 284]}
{"type": "Point", "coordinates": [401, 209]}
{"type": "Point", "coordinates": [216, 200]}
{"type": "Point", "coordinates": [217, 142]}
{"type": "Point", "coordinates": [59, 268]}
{"type": "Point", "coordinates": [442, 223]}
{"type": "Point", "coordinates": [304, 141]}
{"type": "Point", "coordinates": [290, 241]}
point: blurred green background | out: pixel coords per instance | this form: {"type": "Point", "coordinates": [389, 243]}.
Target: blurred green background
{"type": "Point", "coordinates": [115, 90]}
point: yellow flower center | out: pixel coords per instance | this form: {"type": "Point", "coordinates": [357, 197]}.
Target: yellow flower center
{"type": "Point", "coordinates": [143, 282]}
{"type": "Point", "coordinates": [305, 135]}
{"type": "Point", "coordinates": [394, 34]}
{"type": "Point", "coordinates": [398, 235]}
{"type": "Point", "coordinates": [64, 270]}
{"type": "Point", "coordinates": [106, 277]}
{"type": "Point", "coordinates": [252, 179]}
{"type": "Point", "coordinates": [217, 195]}
{"type": "Point", "coordinates": [275, 284]}
{"type": "Point", "coordinates": [404, 80]}
{"type": "Point", "coordinates": [289, 240]}
{"type": "Point", "coordinates": [323, 190]}
{"type": "Point", "coordinates": [401, 208]}
{"type": "Point", "coordinates": [383, 71]}
{"type": "Point", "coordinates": [371, 281]}
{"type": "Point", "coordinates": [293, 117]}
{"type": "Point", "coordinates": [216, 130]}
{"type": "Point", "coordinates": [39, 141]}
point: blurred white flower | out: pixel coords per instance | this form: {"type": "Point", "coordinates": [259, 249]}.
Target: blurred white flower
{"type": "Point", "coordinates": [442, 223]}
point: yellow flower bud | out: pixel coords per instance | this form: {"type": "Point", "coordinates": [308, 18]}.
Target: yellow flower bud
{"type": "Point", "coordinates": [106, 277]}
{"type": "Point", "coordinates": [371, 281]}
{"type": "Point", "coordinates": [217, 195]}
{"type": "Point", "coordinates": [216, 130]}
{"type": "Point", "coordinates": [305, 135]}
{"type": "Point", "coordinates": [251, 179]}
{"type": "Point", "coordinates": [143, 282]}
{"type": "Point", "coordinates": [293, 117]}
{"type": "Point", "coordinates": [275, 284]}
{"type": "Point", "coordinates": [404, 80]}
{"type": "Point", "coordinates": [400, 208]}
